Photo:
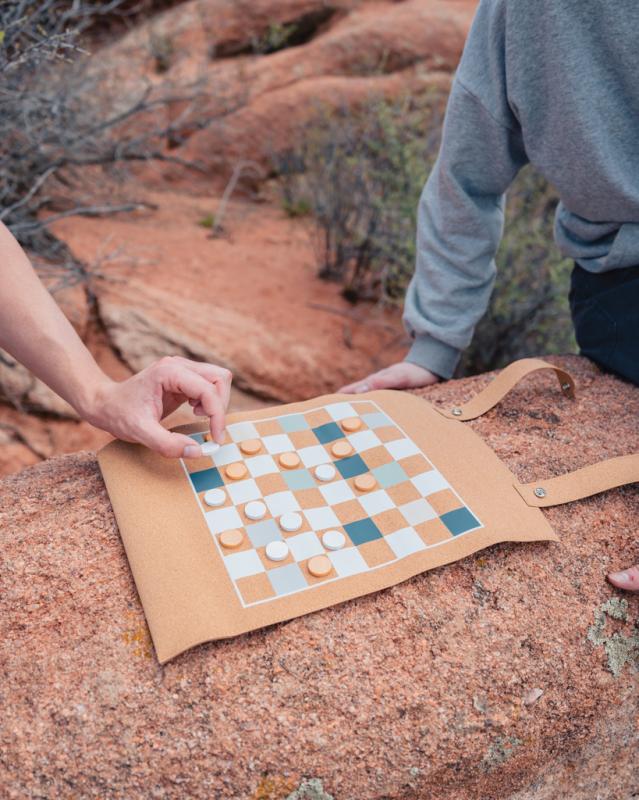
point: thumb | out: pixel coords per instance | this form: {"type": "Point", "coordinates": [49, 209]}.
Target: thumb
{"type": "Point", "coordinates": [167, 444]}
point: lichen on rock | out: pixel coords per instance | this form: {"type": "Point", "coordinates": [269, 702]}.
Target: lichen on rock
{"type": "Point", "coordinates": [621, 649]}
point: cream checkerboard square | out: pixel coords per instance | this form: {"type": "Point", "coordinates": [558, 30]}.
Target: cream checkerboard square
{"type": "Point", "coordinates": [227, 454]}
{"type": "Point", "coordinates": [402, 448]}
{"type": "Point", "coordinates": [278, 443]}
{"type": "Point", "coordinates": [321, 518]}
{"type": "Point", "coordinates": [244, 491]}
{"type": "Point", "coordinates": [376, 502]}
{"type": "Point", "coordinates": [405, 542]}
{"type": "Point", "coordinates": [341, 410]}
{"type": "Point", "coordinates": [348, 561]}
{"type": "Point", "coordinates": [240, 431]}
{"type": "Point", "coordinates": [223, 519]}
{"type": "Point", "coordinates": [417, 511]}
{"type": "Point", "coordinates": [312, 456]}
{"type": "Point", "coordinates": [261, 465]}
{"type": "Point", "coordinates": [281, 503]}
{"type": "Point", "coordinates": [305, 545]}
{"type": "Point", "coordinates": [429, 482]}
{"type": "Point", "coordinates": [364, 440]}
{"type": "Point", "coordinates": [240, 565]}
{"type": "Point", "coordinates": [337, 492]}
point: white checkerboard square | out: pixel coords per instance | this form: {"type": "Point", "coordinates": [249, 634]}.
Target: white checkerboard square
{"type": "Point", "coordinates": [348, 561]}
{"type": "Point", "coordinates": [376, 502]}
{"type": "Point", "coordinates": [428, 482]}
{"type": "Point", "coordinates": [227, 454]}
{"type": "Point", "coordinates": [281, 503]}
{"type": "Point", "coordinates": [341, 410]}
{"type": "Point", "coordinates": [402, 448]}
{"type": "Point", "coordinates": [364, 440]}
{"type": "Point", "coordinates": [405, 542]}
{"type": "Point", "coordinates": [243, 491]}
{"type": "Point", "coordinates": [337, 492]}
{"type": "Point", "coordinates": [321, 518]}
{"type": "Point", "coordinates": [278, 443]}
{"type": "Point", "coordinates": [261, 465]}
{"type": "Point", "coordinates": [305, 545]}
{"type": "Point", "coordinates": [223, 519]}
{"type": "Point", "coordinates": [312, 456]}
{"type": "Point", "coordinates": [240, 565]}
{"type": "Point", "coordinates": [240, 431]}
{"type": "Point", "coordinates": [417, 511]}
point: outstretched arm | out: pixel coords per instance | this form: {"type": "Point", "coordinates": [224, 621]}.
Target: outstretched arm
{"type": "Point", "coordinates": [36, 333]}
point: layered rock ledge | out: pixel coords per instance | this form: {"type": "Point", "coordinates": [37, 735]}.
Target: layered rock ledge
{"type": "Point", "coordinates": [510, 674]}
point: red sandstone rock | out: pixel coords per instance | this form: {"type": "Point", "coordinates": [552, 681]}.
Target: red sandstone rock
{"type": "Point", "coordinates": [414, 692]}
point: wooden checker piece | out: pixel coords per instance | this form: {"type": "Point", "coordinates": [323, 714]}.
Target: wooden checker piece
{"type": "Point", "coordinates": [251, 446]}
{"type": "Point", "coordinates": [289, 460]}
{"type": "Point", "coordinates": [365, 482]}
{"type": "Point", "coordinates": [342, 448]}
{"type": "Point", "coordinates": [236, 471]}
{"type": "Point", "coordinates": [351, 424]}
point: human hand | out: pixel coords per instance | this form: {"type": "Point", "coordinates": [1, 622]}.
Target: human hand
{"type": "Point", "coordinates": [402, 375]}
{"type": "Point", "coordinates": [628, 579]}
{"type": "Point", "coordinates": [132, 409]}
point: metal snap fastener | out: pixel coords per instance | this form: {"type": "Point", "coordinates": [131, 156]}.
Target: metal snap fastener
{"type": "Point", "coordinates": [456, 412]}
{"type": "Point", "coordinates": [565, 386]}
{"type": "Point", "coordinates": [540, 492]}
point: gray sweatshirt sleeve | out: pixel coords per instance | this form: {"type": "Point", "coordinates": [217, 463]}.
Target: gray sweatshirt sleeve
{"type": "Point", "coordinates": [461, 210]}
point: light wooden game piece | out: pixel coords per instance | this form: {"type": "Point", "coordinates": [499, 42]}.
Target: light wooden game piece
{"type": "Point", "coordinates": [289, 460]}
{"type": "Point", "coordinates": [209, 448]}
{"type": "Point", "coordinates": [342, 449]}
{"type": "Point", "coordinates": [333, 540]}
{"type": "Point", "coordinates": [255, 509]}
{"type": "Point", "coordinates": [325, 472]}
{"type": "Point", "coordinates": [208, 437]}
{"type": "Point", "coordinates": [215, 497]}
{"type": "Point", "coordinates": [351, 424]}
{"type": "Point", "coordinates": [365, 482]}
{"type": "Point", "coordinates": [319, 566]}
{"type": "Point", "coordinates": [236, 471]}
{"type": "Point", "coordinates": [292, 521]}
{"type": "Point", "coordinates": [250, 446]}
{"type": "Point", "coordinates": [276, 551]}
{"type": "Point", "coordinates": [231, 538]}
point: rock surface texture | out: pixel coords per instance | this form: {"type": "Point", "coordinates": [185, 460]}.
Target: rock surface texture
{"type": "Point", "coordinates": [510, 674]}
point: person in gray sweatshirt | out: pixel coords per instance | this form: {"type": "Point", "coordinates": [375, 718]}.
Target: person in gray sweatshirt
{"type": "Point", "coordinates": [555, 84]}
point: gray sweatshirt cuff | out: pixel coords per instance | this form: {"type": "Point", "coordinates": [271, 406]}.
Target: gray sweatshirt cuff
{"type": "Point", "coordinates": [438, 357]}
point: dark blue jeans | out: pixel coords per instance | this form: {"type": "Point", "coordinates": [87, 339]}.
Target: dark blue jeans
{"type": "Point", "coordinates": [605, 313]}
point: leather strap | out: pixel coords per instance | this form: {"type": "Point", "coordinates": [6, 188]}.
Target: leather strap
{"type": "Point", "coordinates": [581, 483]}
{"type": "Point", "coordinates": [502, 384]}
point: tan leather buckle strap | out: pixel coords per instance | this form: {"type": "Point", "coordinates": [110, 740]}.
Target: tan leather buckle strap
{"type": "Point", "coordinates": [502, 384]}
{"type": "Point", "coordinates": [581, 483]}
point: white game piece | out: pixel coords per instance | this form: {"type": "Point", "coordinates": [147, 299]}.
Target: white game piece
{"type": "Point", "coordinates": [255, 509]}
{"type": "Point", "coordinates": [291, 521]}
{"type": "Point", "coordinates": [325, 472]}
{"type": "Point", "coordinates": [209, 448]}
{"type": "Point", "coordinates": [333, 540]}
{"type": "Point", "coordinates": [215, 497]}
{"type": "Point", "coordinates": [276, 551]}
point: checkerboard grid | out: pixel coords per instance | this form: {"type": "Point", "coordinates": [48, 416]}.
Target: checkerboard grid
{"type": "Point", "coordinates": [402, 542]}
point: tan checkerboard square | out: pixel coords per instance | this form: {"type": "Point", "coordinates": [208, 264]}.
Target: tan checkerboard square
{"type": "Point", "coordinates": [444, 501]}
{"type": "Point", "coordinates": [197, 464]}
{"type": "Point", "coordinates": [271, 483]}
{"type": "Point", "coordinates": [255, 588]}
{"type": "Point", "coordinates": [318, 417]}
{"type": "Point", "coordinates": [227, 551]}
{"type": "Point", "coordinates": [376, 552]}
{"type": "Point", "coordinates": [302, 439]}
{"type": "Point", "coordinates": [376, 457]}
{"type": "Point", "coordinates": [403, 493]}
{"type": "Point", "coordinates": [364, 407]}
{"type": "Point", "coordinates": [390, 521]}
{"type": "Point", "coordinates": [312, 579]}
{"type": "Point", "coordinates": [415, 465]}
{"type": "Point", "coordinates": [433, 531]}
{"type": "Point", "coordinates": [350, 511]}
{"type": "Point", "coordinates": [268, 427]}
{"type": "Point", "coordinates": [389, 433]}
{"type": "Point", "coordinates": [261, 551]}
{"type": "Point", "coordinates": [309, 498]}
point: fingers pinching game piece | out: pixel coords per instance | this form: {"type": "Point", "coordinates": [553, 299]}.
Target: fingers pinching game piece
{"type": "Point", "coordinates": [289, 460]}
{"type": "Point", "coordinates": [250, 446]}
{"type": "Point", "coordinates": [276, 551]}
{"type": "Point", "coordinates": [291, 521]}
{"type": "Point", "coordinates": [236, 471]}
{"type": "Point", "coordinates": [209, 448]}
{"type": "Point", "coordinates": [319, 566]}
{"type": "Point", "coordinates": [256, 509]}
{"type": "Point", "coordinates": [325, 472]}
{"type": "Point", "coordinates": [215, 497]}
{"type": "Point", "coordinates": [333, 540]}
{"type": "Point", "coordinates": [231, 538]}
{"type": "Point", "coordinates": [365, 482]}
{"type": "Point", "coordinates": [341, 449]}
{"type": "Point", "coordinates": [351, 424]}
